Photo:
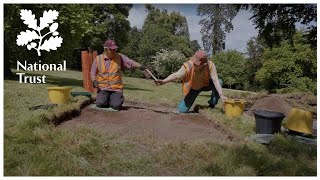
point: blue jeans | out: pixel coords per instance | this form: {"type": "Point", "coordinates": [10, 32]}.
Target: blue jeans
{"type": "Point", "coordinates": [187, 102]}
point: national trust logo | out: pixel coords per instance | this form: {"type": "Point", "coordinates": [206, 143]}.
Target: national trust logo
{"type": "Point", "coordinates": [33, 38]}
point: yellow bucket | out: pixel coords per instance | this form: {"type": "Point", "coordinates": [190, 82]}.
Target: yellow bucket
{"type": "Point", "coordinates": [59, 95]}
{"type": "Point", "coordinates": [234, 108]}
{"type": "Point", "coordinates": [299, 120]}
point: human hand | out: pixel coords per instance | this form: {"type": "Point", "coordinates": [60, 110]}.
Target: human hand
{"type": "Point", "coordinates": [223, 98]}
{"type": "Point", "coordinates": [158, 82]}
{"type": "Point", "coordinates": [95, 84]}
{"type": "Point", "coordinates": [142, 67]}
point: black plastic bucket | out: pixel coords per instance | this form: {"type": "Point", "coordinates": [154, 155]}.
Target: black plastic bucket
{"type": "Point", "coordinates": [268, 122]}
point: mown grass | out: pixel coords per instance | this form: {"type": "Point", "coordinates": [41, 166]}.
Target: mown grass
{"type": "Point", "coordinates": [34, 146]}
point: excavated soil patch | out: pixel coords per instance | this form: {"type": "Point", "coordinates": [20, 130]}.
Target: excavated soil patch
{"type": "Point", "coordinates": [160, 121]}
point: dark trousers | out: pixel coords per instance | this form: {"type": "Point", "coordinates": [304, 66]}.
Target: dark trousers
{"type": "Point", "coordinates": [113, 99]}
{"type": "Point", "coordinates": [187, 102]}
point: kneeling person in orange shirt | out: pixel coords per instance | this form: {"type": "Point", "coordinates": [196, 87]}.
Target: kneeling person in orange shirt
{"type": "Point", "coordinates": [106, 75]}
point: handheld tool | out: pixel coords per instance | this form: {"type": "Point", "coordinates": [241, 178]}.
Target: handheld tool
{"type": "Point", "coordinates": [152, 75]}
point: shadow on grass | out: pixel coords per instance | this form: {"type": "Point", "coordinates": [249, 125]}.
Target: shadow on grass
{"type": "Point", "coordinates": [204, 107]}
{"type": "Point", "coordinates": [63, 81]}
{"type": "Point", "coordinates": [60, 81]}
{"type": "Point", "coordinates": [276, 160]}
{"type": "Point", "coordinates": [134, 88]}
{"type": "Point", "coordinates": [205, 95]}
{"type": "Point", "coordinates": [12, 77]}
{"type": "Point", "coordinates": [124, 108]}
{"type": "Point", "coordinates": [54, 80]}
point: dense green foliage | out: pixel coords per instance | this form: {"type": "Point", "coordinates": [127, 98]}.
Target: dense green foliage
{"type": "Point", "coordinates": [73, 23]}
{"type": "Point", "coordinates": [162, 30]}
{"type": "Point", "coordinates": [80, 26]}
{"type": "Point", "coordinates": [194, 45]}
{"type": "Point", "coordinates": [277, 22]}
{"type": "Point", "coordinates": [253, 63]}
{"type": "Point", "coordinates": [294, 65]}
{"type": "Point", "coordinates": [230, 66]}
{"type": "Point", "coordinates": [107, 22]}
{"type": "Point", "coordinates": [290, 67]}
{"type": "Point", "coordinates": [131, 49]}
{"type": "Point", "coordinates": [280, 57]}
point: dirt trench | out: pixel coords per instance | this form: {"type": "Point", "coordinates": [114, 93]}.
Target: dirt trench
{"type": "Point", "coordinates": [159, 121]}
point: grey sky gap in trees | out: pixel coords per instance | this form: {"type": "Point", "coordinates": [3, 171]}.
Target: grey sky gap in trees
{"type": "Point", "coordinates": [216, 23]}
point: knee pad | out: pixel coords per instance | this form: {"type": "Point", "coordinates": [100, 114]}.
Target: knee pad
{"type": "Point", "coordinates": [101, 104]}
{"type": "Point", "coordinates": [116, 107]}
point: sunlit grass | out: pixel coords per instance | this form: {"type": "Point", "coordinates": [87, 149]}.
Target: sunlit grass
{"type": "Point", "coordinates": [34, 146]}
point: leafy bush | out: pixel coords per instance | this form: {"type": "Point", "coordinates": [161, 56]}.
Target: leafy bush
{"type": "Point", "coordinates": [166, 62]}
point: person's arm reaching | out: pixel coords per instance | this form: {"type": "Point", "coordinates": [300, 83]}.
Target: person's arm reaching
{"type": "Point", "coordinates": [172, 77]}
{"type": "Point", "coordinates": [130, 64]}
{"type": "Point", "coordinates": [137, 65]}
{"type": "Point", "coordinates": [215, 80]}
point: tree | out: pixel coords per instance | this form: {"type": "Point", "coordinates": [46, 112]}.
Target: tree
{"type": "Point", "coordinates": [194, 45]}
{"type": "Point", "coordinates": [215, 25]}
{"type": "Point", "coordinates": [230, 66]}
{"type": "Point", "coordinates": [131, 48]}
{"type": "Point", "coordinates": [179, 25]}
{"type": "Point", "coordinates": [11, 29]}
{"type": "Point", "coordinates": [253, 62]}
{"type": "Point", "coordinates": [292, 65]}
{"type": "Point", "coordinates": [277, 22]}
{"type": "Point", "coordinates": [153, 40]}
{"type": "Point", "coordinates": [180, 44]}
{"type": "Point", "coordinates": [163, 31]}
{"type": "Point", "coordinates": [107, 21]}
{"type": "Point", "coordinates": [174, 22]}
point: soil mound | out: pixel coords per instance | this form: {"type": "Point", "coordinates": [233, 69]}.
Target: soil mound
{"type": "Point", "coordinates": [272, 103]}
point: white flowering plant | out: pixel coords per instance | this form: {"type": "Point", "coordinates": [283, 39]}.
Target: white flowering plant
{"type": "Point", "coordinates": [166, 62]}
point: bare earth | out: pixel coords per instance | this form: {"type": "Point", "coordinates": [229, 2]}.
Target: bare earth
{"type": "Point", "coordinates": [161, 121]}
{"type": "Point", "coordinates": [140, 119]}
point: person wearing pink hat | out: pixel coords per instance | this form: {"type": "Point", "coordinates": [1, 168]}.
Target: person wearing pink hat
{"type": "Point", "coordinates": [106, 75]}
{"type": "Point", "coordinates": [198, 74]}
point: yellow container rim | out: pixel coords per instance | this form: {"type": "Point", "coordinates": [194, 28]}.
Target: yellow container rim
{"type": "Point", "coordinates": [302, 109]}
{"type": "Point", "coordinates": [235, 101]}
{"type": "Point", "coordinates": [59, 88]}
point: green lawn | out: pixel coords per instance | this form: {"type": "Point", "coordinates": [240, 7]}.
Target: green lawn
{"type": "Point", "coordinates": [33, 146]}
